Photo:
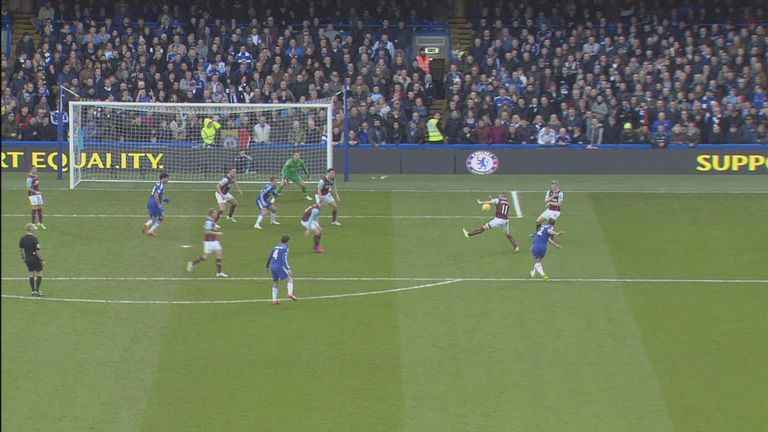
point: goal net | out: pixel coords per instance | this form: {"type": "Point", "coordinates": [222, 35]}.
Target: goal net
{"type": "Point", "coordinates": [134, 142]}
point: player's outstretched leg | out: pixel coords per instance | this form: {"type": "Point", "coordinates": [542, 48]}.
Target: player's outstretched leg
{"type": "Point", "coordinates": [514, 243]}
{"type": "Point", "coordinates": [198, 260]}
{"type": "Point", "coordinates": [480, 230]}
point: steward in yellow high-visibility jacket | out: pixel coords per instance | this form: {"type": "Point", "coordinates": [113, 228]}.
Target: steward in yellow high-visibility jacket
{"type": "Point", "coordinates": [208, 132]}
{"type": "Point", "coordinates": [434, 136]}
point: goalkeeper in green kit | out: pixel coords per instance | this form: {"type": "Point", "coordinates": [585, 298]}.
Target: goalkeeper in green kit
{"type": "Point", "coordinates": [291, 172]}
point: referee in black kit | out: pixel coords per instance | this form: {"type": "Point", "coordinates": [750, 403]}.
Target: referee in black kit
{"type": "Point", "coordinates": [30, 254]}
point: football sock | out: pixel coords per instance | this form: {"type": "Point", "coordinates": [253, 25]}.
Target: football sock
{"type": "Point", "coordinates": [477, 231]}
{"type": "Point", "coordinates": [34, 214]}
{"type": "Point", "coordinates": [274, 293]}
{"type": "Point", "coordinates": [304, 189]}
{"type": "Point", "coordinates": [198, 260]}
{"type": "Point", "coordinates": [232, 209]}
{"type": "Point", "coordinates": [317, 239]}
{"type": "Point", "coordinates": [259, 219]}
{"type": "Point", "coordinates": [38, 282]}
{"type": "Point", "coordinates": [155, 226]}
{"type": "Point", "coordinates": [148, 223]}
{"type": "Point", "coordinates": [218, 265]}
{"type": "Point", "coordinates": [511, 240]}
{"type": "Point", "coordinates": [290, 287]}
{"type": "Point", "coordinates": [333, 213]}
{"type": "Point", "coordinates": [539, 268]}
{"type": "Point", "coordinates": [280, 189]}
{"type": "Point", "coordinates": [273, 216]}
{"type": "Point", "coordinates": [40, 215]}
{"type": "Point", "coordinates": [32, 283]}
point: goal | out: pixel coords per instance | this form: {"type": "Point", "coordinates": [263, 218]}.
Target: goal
{"type": "Point", "coordinates": [134, 142]}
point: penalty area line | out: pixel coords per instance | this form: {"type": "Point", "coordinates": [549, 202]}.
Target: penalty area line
{"type": "Point", "coordinates": [390, 279]}
{"type": "Point", "coordinates": [234, 301]}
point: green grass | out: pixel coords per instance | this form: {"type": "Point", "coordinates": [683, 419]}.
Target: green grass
{"type": "Point", "coordinates": [601, 347]}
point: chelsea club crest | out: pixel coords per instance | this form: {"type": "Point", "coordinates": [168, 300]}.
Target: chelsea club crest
{"type": "Point", "coordinates": [482, 163]}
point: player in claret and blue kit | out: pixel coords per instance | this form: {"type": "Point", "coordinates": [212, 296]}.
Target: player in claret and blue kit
{"type": "Point", "coordinates": [541, 239]}
{"type": "Point", "coordinates": [155, 206]}
{"type": "Point", "coordinates": [500, 221]}
{"type": "Point", "coordinates": [265, 202]}
{"type": "Point", "coordinates": [310, 222]}
{"type": "Point", "coordinates": [278, 264]}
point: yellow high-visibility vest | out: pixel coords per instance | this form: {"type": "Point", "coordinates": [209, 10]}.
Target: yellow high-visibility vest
{"type": "Point", "coordinates": [433, 131]}
{"type": "Point", "coordinates": [208, 133]}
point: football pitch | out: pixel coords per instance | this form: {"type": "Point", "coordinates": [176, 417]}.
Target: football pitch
{"type": "Point", "coordinates": [656, 317]}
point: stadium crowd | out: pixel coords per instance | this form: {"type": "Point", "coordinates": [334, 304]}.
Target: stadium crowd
{"type": "Point", "coordinates": [554, 74]}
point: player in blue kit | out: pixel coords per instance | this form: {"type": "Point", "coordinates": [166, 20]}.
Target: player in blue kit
{"type": "Point", "coordinates": [155, 206]}
{"type": "Point", "coordinates": [264, 201]}
{"type": "Point", "coordinates": [542, 238]}
{"type": "Point", "coordinates": [278, 264]}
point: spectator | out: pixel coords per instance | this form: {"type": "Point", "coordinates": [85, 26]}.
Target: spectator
{"type": "Point", "coordinates": [546, 136]}
{"type": "Point", "coordinates": [208, 132]}
{"type": "Point", "coordinates": [10, 128]}
{"type": "Point", "coordinates": [527, 134]}
{"type": "Point", "coordinates": [453, 128]}
{"type": "Point", "coordinates": [734, 135]}
{"type": "Point", "coordinates": [628, 135]}
{"type": "Point", "coordinates": [716, 136]}
{"type": "Point", "coordinates": [762, 134]}
{"type": "Point", "coordinates": [397, 134]}
{"type": "Point", "coordinates": [483, 132]}
{"type": "Point", "coordinates": [415, 130]}
{"type": "Point", "coordinates": [468, 136]}
{"type": "Point", "coordinates": [261, 131]}
{"type": "Point", "coordinates": [364, 134]}
{"type": "Point", "coordinates": [748, 131]}
{"type": "Point", "coordinates": [611, 131]}
{"type": "Point", "coordinates": [499, 132]}
{"type": "Point", "coordinates": [47, 131]}
{"type": "Point", "coordinates": [661, 137]}
{"type": "Point", "coordinates": [297, 134]}
{"type": "Point", "coordinates": [243, 162]}
{"type": "Point", "coordinates": [692, 135]}
{"type": "Point", "coordinates": [378, 134]}
{"type": "Point", "coordinates": [595, 133]}
{"type": "Point", "coordinates": [434, 132]}
{"type": "Point", "coordinates": [562, 138]}
{"type": "Point", "coordinates": [578, 137]}
{"type": "Point", "coordinates": [353, 140]}
{"type": "Point", "coordinates": [678, 134]}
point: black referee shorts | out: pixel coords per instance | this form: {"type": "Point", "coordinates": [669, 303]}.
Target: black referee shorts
{"type": "Point", "coordinates": [34, 264]}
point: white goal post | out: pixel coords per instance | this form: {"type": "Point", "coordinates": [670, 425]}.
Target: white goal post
{"type": "Point", "coordinates": [134, 142]}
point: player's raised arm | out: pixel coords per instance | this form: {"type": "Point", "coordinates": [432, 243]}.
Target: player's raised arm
{"type": "Point", "coordinates": [553, 243]}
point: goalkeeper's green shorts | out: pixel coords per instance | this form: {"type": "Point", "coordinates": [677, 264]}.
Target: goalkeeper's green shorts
{"type": "Point", "coordinates": [293, 178]}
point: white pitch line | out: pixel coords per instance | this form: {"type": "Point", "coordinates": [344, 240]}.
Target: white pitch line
{"type": "Point", "coordinates": [143, 189]}
{"type": "Point", "coordinates": [253, 216]}
{"type": "Point", "coordinates": [333, 296]}
{"type": "Point", "coordinates": [516, 203]}
{"type": "Point", "coordinates": [377, 279]}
